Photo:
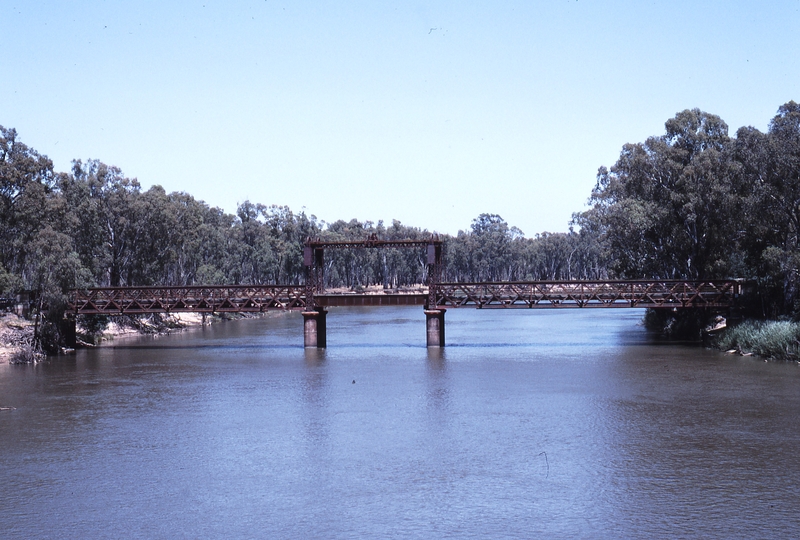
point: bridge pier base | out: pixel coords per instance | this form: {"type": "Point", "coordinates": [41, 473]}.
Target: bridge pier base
{"type": "Point", "coordinates": [314, 329]}
{"type": "Point", "coordinates": [434, 324]}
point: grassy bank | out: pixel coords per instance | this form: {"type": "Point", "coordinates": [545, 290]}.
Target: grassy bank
{"type": "Point", "coordinates": [778, 340]}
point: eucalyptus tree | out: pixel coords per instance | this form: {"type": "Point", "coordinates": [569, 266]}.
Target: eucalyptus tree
{"type": "Point", "coordinates": [489, 251]}
{"type": "Point", "coordinates": [667, 207]}
{"type": "Point", "coordinates": [289, 232]}
{"type": "Point", "coordinates": [26, 184]}
{"type": "Point", "coordinates": [770, 166]}
{"type": "Point", "coordinates": [195, 237]}
{"type": "Point", "coordinates": [110, 220]}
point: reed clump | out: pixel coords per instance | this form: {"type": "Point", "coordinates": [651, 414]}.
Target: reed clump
{"type": "Point", "coordinates": [779, 340]}
{"type": "Point", "coordinates": [26, 354]}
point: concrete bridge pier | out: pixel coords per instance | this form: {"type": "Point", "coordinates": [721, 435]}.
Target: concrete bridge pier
{"type": "Point", "coordinates": [314, 329]}
{"type": "Point", "coordinates": [434, 324]}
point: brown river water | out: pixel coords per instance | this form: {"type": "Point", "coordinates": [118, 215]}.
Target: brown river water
{"type": "Point", "coordinates": [529, 424]}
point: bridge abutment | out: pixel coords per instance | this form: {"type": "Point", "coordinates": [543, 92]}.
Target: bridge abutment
{"type": "Point", "coordinates": [314, 329]}
{"type": "Point", "coordinates": [434, 324]}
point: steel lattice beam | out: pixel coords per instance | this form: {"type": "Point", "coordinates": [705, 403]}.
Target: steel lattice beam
{"type": "Point", "coordinates": [202, 299]}
{"type": "Point", "coordinates": [530, 294]}
{"type": "Point", "coordinates": [593, 294]}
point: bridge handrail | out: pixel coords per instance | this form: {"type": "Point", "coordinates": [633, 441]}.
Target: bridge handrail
{"type": "Point", "coordinates": [180, 287]}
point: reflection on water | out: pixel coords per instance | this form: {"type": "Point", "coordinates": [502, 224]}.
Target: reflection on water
{"type": "Point", "coordinates": [528, 424]}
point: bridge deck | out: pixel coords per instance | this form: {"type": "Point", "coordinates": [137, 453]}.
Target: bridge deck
{"type": "Point", "coordinates": [342, 300]}
{"type": "Point", "coordinates": [534, 294]}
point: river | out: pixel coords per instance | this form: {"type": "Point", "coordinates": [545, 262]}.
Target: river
{"type": "Point", "coordinates": [529, 424]}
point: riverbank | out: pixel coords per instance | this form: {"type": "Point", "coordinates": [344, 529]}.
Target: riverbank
{"type": "Point", "coordinates": [773, 340]}
{"type": "Point", "coordinates": [92, 332]}
{"type": "Point", "coordinates": [16, 336]}
{"type": "Point", "coordinates": [770, 340]}
{"type": "Point", "coordinates": [16, 333]}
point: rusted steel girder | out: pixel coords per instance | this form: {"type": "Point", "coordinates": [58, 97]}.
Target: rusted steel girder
{"type": "Point", "coordinates": [344, 300]}
{"type": "Point", "coordinates": [531, 294]}
{"type": "Point", "coordinates": [589, 294]}
{"type": "Point", "coordinates": [197, 299]}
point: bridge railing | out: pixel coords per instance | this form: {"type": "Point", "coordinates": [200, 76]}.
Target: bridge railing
{"type": "Point", "coordinates": [600, 294]}
{"type": "Point", "coordinates": [197, 299]}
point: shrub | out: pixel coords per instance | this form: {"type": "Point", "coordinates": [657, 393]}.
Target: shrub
{"type": "Point", "coordinates": [26, 354]}
{"type": "Point", "coordinates": [771, 339]}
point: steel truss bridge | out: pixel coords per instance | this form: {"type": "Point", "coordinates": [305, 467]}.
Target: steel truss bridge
{"type": "Point", "coordinates": [657, 294]}
{"type": "Point", "coordinates": [436, 296]}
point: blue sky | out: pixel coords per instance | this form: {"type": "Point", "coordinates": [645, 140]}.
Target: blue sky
{"type": "Point", "coordinates": [430, 113]}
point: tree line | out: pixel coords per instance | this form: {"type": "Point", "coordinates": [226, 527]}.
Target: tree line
{"type": "Point", "coordinates": [693, 203]}
{"type": "Point", "coordinates": [697, 203]}
{"type": "Point", "coordinates": [94, 226]}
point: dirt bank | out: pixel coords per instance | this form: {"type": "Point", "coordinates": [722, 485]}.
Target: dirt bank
{"type": "Point", "coordinates": [159, 324]}
{"type": "Point", "coordinates": [92, 334]}
{"type": "Point", "coordinates": [15, 334]}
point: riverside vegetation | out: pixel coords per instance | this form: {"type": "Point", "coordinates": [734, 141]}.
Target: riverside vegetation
{"type": "Point", "coordinates": [693, 203]}
{"type": "Point", "coordinates": [779, 340]}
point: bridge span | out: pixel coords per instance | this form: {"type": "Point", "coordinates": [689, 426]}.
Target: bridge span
{"type": "Point", "coordinates": [436, 298]}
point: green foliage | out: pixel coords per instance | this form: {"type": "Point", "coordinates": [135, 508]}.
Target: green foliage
{"type": "Point", "coordinates": [692, 203]}
{"type": "Point", "coordinates": [666, 207]}
{"type": "Point", "coordinates": [26, 354]}
{"type": "Point", "coordinates": [772, 339]}
{"type": "Point", "coordinates": [493, 251]}
{"type": "Point", "coordinates": [54, 267]}
{"type": "Point", "coordinates": [770, 165]}
{"type": "Point", "coordinates": [9, 283]}
{"type": "Point", "coordinates": [685, 324]}
{"type": "Point", "coordinates": [95, 325]}
{"type": "Point", "coordinates": [208, 274]}
{"type": "Point", "coordinates": [26, 182]}
{"type": "Point", "coordinates": [695, 203]}
{"type": "Point", "coordinates": [355, 268]}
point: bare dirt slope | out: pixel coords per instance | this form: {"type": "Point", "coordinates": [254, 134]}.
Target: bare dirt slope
{"type": "Point", "coordinates": [14, 333]}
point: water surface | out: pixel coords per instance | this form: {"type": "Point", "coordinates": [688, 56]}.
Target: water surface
{"type": "Point", "coordinates": [557, 424]}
